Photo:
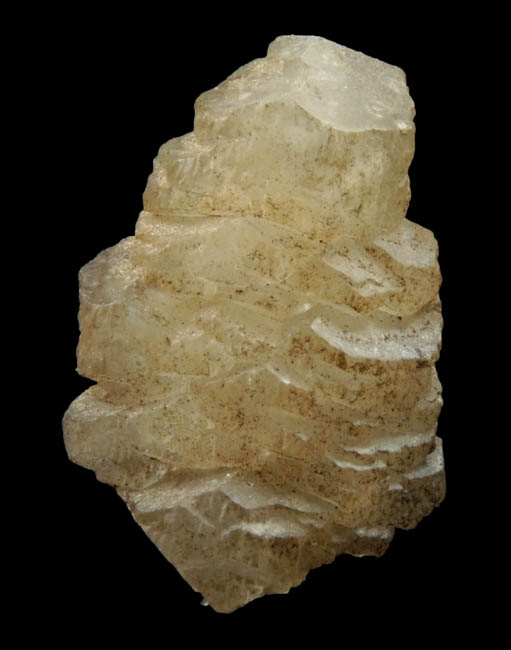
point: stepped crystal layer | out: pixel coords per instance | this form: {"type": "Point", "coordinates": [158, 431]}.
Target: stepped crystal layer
{"type": "Point", "coordinates": [264, 346]}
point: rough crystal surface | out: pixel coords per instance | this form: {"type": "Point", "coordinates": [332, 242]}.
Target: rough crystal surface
{"type": "Point", "coordinates": [264, 346]}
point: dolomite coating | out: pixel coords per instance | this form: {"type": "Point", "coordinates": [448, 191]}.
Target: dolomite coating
{"type": "Point", "coordinates": [264, 346]}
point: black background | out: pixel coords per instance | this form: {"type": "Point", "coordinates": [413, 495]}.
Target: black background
{"type": "Point", "coordinates": [117, 90]}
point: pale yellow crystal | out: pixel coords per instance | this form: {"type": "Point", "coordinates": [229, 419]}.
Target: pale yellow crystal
{"type": "Point", "coordinates": [264, 346]}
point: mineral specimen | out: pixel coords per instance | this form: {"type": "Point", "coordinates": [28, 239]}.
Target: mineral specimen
{"type": "Point", "coordinates": [264, 346]}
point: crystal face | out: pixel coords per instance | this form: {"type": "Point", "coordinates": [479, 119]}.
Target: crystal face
{"type": "Point", "coordinates": [264, 346]}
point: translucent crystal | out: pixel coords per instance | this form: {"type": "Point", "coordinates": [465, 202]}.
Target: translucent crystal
{"type": "Point", "coordinates": [264, 346]}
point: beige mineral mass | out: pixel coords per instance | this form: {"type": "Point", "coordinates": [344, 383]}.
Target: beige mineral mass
{"type": "Point", "coordinates": [264, 346]}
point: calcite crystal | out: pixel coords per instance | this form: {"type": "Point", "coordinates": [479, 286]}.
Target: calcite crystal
{"type": "Point", "coordinates": [264, 346]}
